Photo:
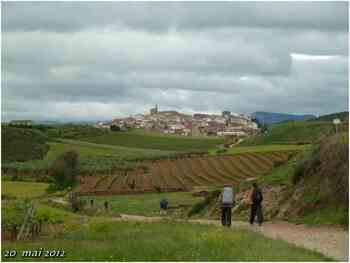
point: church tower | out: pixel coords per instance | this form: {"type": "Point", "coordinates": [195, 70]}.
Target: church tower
{"type": "Point", "coordinates": [154, 110]}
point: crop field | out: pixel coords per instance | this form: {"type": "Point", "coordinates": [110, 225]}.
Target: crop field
{"type": "Point", "coordinates": [146, 140]}
{"type": "Point", "coordinates": [267, 148]}
{"type": "Point", "coordinates": [93, 157]}
{"type": "Point", "coordinates": [184, 174]}
{"type": "Point", "coordinates": [23, 189]}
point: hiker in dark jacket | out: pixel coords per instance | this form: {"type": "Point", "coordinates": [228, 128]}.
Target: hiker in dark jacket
{"type": "Point", "coordinates": [256, 209]}
{"type": "Point", "coordinates": [163, 206]}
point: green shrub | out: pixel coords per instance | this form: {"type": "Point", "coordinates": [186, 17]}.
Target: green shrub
{"type": "Point", "coordinates": [198, 207]}
{"type": "Point", "coordinates": [298, 172]}
{"type": "Point", "coordinates": [221, 151]}
{"type": "Point", "coordinates": [278, 163]}
{"type": "Point", "coordinates": [14, 212]}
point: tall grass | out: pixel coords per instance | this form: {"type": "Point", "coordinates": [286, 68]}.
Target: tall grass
{"type": "Point", "coordinates": [164, 241]}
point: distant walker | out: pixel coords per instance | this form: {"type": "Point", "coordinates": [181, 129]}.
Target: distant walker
{"type": "Point", "coordinates": [163, 206]}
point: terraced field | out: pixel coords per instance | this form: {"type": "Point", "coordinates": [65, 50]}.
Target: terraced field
{"type": "Point", "coordinates": [184, 174]}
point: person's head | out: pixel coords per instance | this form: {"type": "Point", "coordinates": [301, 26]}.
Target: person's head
{"type": "Point", "coordinates": [255, 185]}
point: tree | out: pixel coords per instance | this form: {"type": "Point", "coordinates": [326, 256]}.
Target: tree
{"type": "Point", "coordinates": [115, 128]}
{"type": "Point", "coordinates": [65, 170]}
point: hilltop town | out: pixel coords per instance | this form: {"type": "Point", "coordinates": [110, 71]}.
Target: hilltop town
{"type": "Point", "coordinates": [198, 124]}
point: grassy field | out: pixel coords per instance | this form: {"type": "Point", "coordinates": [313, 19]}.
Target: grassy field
{"type": "Point", "coordinates": [293, 133]}
{"type": "Point", "coordinates": [262, 148]}
{"type": "Point", "coordinates": [143, 204]}
{"type": "Point", "coordinates": [92, 156]}
{"type": "Point", "coordinates": [169, 135]}
{"type": "Point", "coordinates": [100, 240]}
{"type": "Point", "coordinates": [146, 140]}
{"type": "Point", "coordinates": [324, 216]}
{"type": "Point", "coordinates": [23, 189]}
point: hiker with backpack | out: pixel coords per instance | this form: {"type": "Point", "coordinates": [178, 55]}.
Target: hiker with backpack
{"type": "Point", "coordinates": [227, 202]}
{"type": "Point", "coordinates": [256, 209]}
{"type": "Point", "coordinates": [163, 206]}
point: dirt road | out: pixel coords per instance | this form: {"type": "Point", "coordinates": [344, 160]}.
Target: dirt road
{"type": "Point", "coordinates": [330, 241]}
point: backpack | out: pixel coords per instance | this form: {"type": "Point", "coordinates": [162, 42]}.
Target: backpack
{"type": "Point", "coordinates": [257, 196]}
{"type": "Point", "coordinates": [227, 195]}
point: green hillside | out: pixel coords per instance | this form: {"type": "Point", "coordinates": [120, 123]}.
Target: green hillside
{"type": "Point", "coordinates": [64, 131]}
{"type": "Point", "coordinates": [22, 144]}
{"type": "Point", "coordinates": [312, 187]}
{"type": "Point", "coordinates": [321, 193]}
{"type": "Point", "coordinates": [75, 131]}
{"type": "Point", "coordinates": [93, 157]}
{"type": "Point", "coordinates": [155, 141]}
{"type": "Point", "coordinates": [330, 117]}
{"type": "Point", "coordinates": [294, 132]}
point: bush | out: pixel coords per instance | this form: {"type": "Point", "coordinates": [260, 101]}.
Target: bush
{"type": "Point", "coordinates": [203, 204]}
{"type": "Point", "coordinates": [64, 170]}
{"type": "Point", "coordinates": [278, 163]}
{"type": "Point", "coordinates": [298, 172]}
{"type": "Point", "coordinates": [14, 212]}
{"type": "Point", "coordinates": [115, 128]}
{"type": "Point", "coordinates": [221, 151]}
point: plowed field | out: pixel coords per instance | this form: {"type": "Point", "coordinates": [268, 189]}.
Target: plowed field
{"type": "Point", "coordinates": [184, 174]}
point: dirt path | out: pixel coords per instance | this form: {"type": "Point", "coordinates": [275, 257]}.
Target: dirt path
{"type": "Point", "coordinates": [330, 241]}
{"type": "Point", "coordinates": [58, 200]}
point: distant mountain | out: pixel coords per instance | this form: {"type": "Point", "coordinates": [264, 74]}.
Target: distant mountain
{"type": "Point", "coordinates": [273, 117]}
{"type": "Point", "coordinates": [67, 121]}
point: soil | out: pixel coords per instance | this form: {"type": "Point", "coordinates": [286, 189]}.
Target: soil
{"type": "Point", "coordinates": [185, 173]}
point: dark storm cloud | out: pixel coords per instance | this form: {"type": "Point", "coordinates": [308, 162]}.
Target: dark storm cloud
{"type": "Point", "coordinates": [102, 60]}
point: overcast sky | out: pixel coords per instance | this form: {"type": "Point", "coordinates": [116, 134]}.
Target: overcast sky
{"type": "Point", "coordinates": [90, 61]}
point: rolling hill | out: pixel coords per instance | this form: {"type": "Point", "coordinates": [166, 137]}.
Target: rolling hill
{"type": "Point", "coordinates": [157, 141]}
{"type": "Point", "coordinates": [293, 132]}
{"type": "Point", "coordinates": [343, 116]}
